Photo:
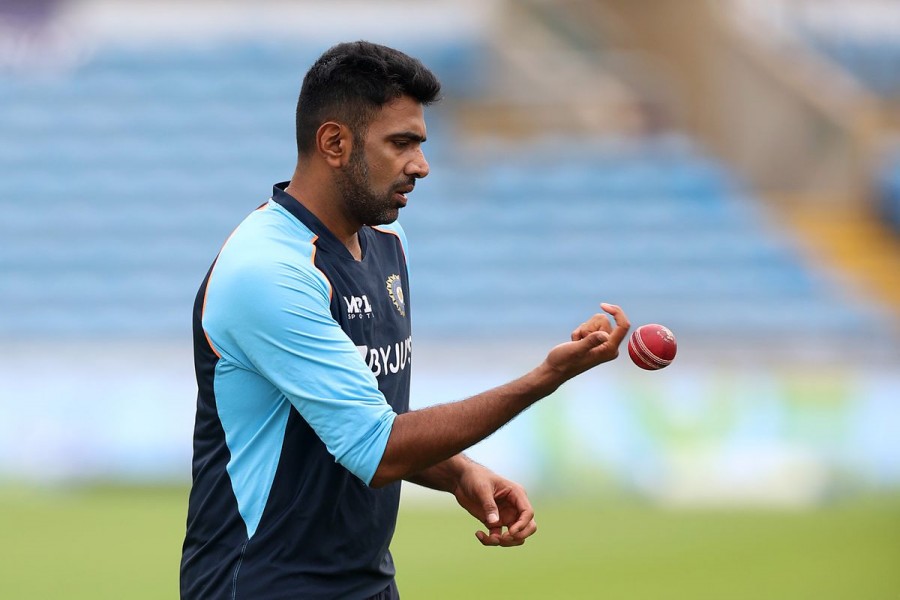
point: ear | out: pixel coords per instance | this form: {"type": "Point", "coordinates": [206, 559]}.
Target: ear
{"type": "Point", "coordinates": [334, 142]}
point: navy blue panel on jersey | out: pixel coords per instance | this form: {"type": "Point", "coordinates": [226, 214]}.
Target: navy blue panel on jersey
{"type": "Point", "coordinates": [302, 355]}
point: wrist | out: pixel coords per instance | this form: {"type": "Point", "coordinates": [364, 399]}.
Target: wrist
{"type": "Point", "coordinates": [444, 476]}
{"type": "Point", "coordinates": [545, 379]}
{"type": "Point", "coordinates": [460, 466]}
{"type": "Point", "coordinates": [466, 468]}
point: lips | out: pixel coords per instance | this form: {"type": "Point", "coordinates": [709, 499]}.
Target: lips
{"type": "Point", "coordinates": [401, 193]}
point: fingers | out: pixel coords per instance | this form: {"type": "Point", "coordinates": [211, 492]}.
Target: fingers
{"type": "Point", "coordinates": [598, 338]}
{"type": "Point", "coordinates": [622, 324]}
{"type": "Point", "coordinates": [518, 505]}
{"type": "Point", "coordinates": [516, 514]}
{"type": "Point", "coordinates": [604, 340]}
{"type": "Point", "coordinates": [488, 540]}
{"type": "Point", "coordinates": [598, 322]}
{"type": "Point", "coordinates": [527, 531]}
{"type": "Point", "coordinates": [506, 539]}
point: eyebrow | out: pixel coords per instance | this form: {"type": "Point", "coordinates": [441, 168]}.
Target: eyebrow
{"type": "Point", "coordinates": [409, 135]}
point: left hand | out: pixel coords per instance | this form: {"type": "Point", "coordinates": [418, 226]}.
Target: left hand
{"type": "Point", "coordinates": [498, 503]}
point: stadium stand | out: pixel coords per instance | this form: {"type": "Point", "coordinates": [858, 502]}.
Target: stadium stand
{"type": "Point", "coordinates": [131, 143]}
{"type": "Point", "coordinates": [861, 37]}
{"type": "Point", "coordinates": [889, 192]}
{"type": "Point", "coordinates": [122, 178]}
{"type": "Point", "coordinates": [663, 229]}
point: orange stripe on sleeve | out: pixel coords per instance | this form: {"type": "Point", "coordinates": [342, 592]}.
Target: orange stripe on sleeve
{"type": "Point", "coordinates": [395, 234]}
{"type": "Point", "coordinates": [203, 312]}
{"type": "Point", "coordinates": [212, 270]}
{"type": "Point", "coordinates": [312, 259]}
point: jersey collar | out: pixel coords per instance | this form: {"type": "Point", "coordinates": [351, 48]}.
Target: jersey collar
{"type": "Point", "coordinates": [326, 240]}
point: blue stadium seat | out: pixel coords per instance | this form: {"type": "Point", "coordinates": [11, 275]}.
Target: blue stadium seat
{"type": "Point", "coordinates": [124, 178]}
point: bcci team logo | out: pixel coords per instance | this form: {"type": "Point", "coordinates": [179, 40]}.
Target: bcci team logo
{"type": "Point", "coordinates": [395, 291]}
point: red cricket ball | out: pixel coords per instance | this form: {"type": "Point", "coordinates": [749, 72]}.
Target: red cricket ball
{"type": "Point", "coordinates": [652, 347]}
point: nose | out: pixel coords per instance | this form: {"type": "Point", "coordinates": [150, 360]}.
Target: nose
{"type": "Point", "coordinates": [418, 167]}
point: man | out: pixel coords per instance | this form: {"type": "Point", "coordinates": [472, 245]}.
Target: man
{"type": "Point", "coordinates": [302, 351]}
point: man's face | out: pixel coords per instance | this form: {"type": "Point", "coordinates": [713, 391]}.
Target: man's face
{"type": "Point", "coordinates": [383, 168]}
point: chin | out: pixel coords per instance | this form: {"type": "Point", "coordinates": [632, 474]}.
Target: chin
{"type": "Point", "coordinates": [387, 217]}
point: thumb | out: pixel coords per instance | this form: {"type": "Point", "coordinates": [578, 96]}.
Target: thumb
{"type": "Point", "coordinates": [492, 518]}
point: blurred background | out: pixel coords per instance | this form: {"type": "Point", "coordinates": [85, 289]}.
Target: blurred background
{"type": "Point", "coordinates": [730, 169]}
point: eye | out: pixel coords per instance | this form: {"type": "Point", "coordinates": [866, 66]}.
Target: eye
{"type": "Point", "coordinates": [401, 143]}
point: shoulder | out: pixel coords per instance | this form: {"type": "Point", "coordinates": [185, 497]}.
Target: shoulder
{"type": "Point", "coordinates": [269, 250]}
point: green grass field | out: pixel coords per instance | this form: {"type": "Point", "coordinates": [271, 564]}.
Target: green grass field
{"type": "Point", "coordinates": [125, 543]}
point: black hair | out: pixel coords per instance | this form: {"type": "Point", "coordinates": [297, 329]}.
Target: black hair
{"type": "Point", "coordinates": [351, 81]}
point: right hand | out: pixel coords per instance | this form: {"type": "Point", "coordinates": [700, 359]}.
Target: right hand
{"type": "Point", "coordinates": [594, 342]}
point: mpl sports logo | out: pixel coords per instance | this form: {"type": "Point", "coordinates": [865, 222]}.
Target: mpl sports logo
{"type": "Point", "coordinates": [358, 307]}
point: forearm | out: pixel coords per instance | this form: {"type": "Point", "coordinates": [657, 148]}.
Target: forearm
{"type": "Point", "coordinates": [443, 476]}
{"type": "Point", "coordinates": [423, 439]}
